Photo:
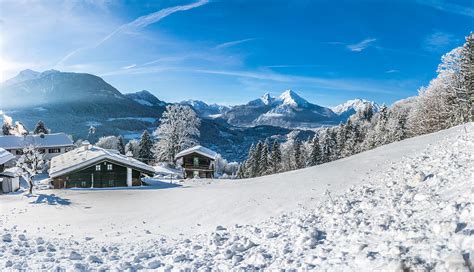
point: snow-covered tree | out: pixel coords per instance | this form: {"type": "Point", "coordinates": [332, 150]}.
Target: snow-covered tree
{"type": "Point", "coordinates": [275, 157]}
{"type": "Point", "coordinates": [121, 145]}
{"type": "Point", "coordinates": [6, 128]}
{"type": "Point", "coordinates": [31, 163]}
{"type": "Point", "coordinates": [132, 147]}
{"type": "Point", "coordinates": [91, 134]}
{"type": "Point", "coordinates": [264, 167]}
{"type": "Point", "coordinates": [315, 154]}
{"type": "Point", "coordinates": [108, 142]}
{"type": "Point", "coordinates": [297, 154]}
{"type": "Point", "coordinates": [179, 129]}
{"type": "Point", "coordinates": [145, 147]}
{"type": "Point", "coordinates": [241, 171]}
{"type": "Point", "coordinates": [40, 128]}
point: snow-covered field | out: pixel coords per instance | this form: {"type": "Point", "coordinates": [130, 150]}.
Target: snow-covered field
{"type": "Point", "coordinates": [405, 205]}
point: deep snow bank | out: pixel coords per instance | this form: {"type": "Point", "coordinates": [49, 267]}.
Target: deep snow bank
{"type": "Point", "coordinates": [417, 214]}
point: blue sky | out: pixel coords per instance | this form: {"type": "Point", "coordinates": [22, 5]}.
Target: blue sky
{"type": "Point", "coordinates": [230, 52]}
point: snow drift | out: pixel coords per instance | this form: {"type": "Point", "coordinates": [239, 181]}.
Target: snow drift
{"type": "Point", "coordinates": [407, 205]}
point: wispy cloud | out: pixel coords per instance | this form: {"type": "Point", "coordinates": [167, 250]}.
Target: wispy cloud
{"type": "Point", "coordinates": [139, 23]}
{"type": "Point", "coordinates": [296, 66]}
{"type": "Point", "coordinates": [362, 45]}
{"type": "Point", "coordinates": [449, 7]}
{"type": "Point", "coordinates": [437, 41]}
{"type": "Point", "coordinates": [233, 43]}
{"type": "Point", "coordinates": [392, 71]}
{"type": "Point", "coordinates": [340, 84]}
{"type": "Point", "coordinates": [129, 66]}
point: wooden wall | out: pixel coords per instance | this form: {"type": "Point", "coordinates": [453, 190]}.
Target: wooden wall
{"type": "Point", "coordinates": [117, 177]}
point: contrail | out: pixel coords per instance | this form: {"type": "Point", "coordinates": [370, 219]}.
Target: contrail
{"type": "Point", "coordinates": [140, 22]}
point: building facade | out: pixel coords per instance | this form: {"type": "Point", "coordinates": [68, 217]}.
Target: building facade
{"type": "Point", "coordinates": [50, 145]}
{"type": "Point", "coordinates": [93, 167]}
{"type": "Point", "coordinates": [197, 162]}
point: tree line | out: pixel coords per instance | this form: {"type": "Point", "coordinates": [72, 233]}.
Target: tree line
{"type": "Point", "coordinates": [446, 102]}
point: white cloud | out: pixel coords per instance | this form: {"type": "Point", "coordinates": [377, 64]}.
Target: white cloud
{"type": "Point", "coordinates": [362, 45]}
{"type": "Point", "coordinates": [449, 7]}
{"type": "Point", "coordinates": [437, 41]}
{"type": "Point", "coordinates": [392, 71]}
{"type": "Point", "coordinates": [140, 22]}
{"type": "Point", "coordinates": [233, 43]}
{"type": "Point", "coordinates": [129, 66]}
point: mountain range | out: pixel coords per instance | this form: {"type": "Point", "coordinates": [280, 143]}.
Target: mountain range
{"type": "Point", "coordinates": [72, 102]}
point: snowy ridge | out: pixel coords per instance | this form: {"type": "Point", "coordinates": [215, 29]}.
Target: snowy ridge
{"type": "Point", "coordinates": [353, 106]}
{"type": "Point", "coordinates": [288, 110]}
{"type": "Point", "coordinates": [417, 215]}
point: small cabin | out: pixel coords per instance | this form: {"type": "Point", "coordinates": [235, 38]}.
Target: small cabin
{"type": "Point", "coordinates": [94, 167]}
{"type": "Point", "coordinates": [197, 161]}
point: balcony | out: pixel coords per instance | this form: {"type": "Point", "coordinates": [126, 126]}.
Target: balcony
{"type": "Point", "coordinates": [190, 166]}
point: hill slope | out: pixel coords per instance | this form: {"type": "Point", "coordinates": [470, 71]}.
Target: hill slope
{"type": "Point", "coordinates": [382, 204]}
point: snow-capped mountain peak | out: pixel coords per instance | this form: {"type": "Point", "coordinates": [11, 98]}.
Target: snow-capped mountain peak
{"type": "Point", "coordinates": [267, 99]}
{"type": "Point", "coordinates": [354, 105]}
{"type": "Point", "coordinates": [291, 98]}
{"type": "Point", "coordinates": [22, 76]}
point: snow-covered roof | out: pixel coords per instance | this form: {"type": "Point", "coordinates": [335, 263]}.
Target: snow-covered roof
{"type": "Point", "coordinates": [42, 140]}
{"type": "Point", "coordinates": [5, 156]}
{"type": "Point", "coordinates": [200, 150]}
{"type": "Point", "coordinates": [87, 155]}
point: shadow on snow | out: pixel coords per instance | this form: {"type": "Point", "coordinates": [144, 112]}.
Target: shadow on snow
{"type": "Point", "coordinates": [51, 199]}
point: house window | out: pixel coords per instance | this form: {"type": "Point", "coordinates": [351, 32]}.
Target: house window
{"type": "Point", "coordinates": [196, 161]}
{"type": "Point", "coordinates": [97, 167]}
{"type": "Point", "coordinates": [196, 174]}
{"type": "Point", "coordinates": [54, 150]}
{"type": "Point", "coordinates": [42, 150]}
{"type": "Point", "coordinates": [19, 152]}
{"type": "Point", "coordinates": [109, 167]}
{"type": "Point", "coordinates": [83, 184]}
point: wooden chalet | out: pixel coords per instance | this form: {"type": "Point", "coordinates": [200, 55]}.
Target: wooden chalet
{"type": "Point", "coordinates": [197, 161]}
{"type": "Point", "coordinates": [94, 167]}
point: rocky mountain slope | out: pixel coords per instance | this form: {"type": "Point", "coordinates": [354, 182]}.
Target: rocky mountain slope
{"type": "Point", "coordinates": [287, 110]}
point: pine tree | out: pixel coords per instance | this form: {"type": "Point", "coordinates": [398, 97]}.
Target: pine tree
{"type": "Point", "coordinates": [467, 68]}
{"type": "Point", "coordinates": [255, 167]}
{"type": "Point", "coordinates": [275, 157]}
{"type": "Point", "coordinates": [121, 145]}
{"type": "Point", "coordinates": [341, 135]}
{"type": "Point", "coordinates": [315, 155]}
{"type": "Point", "coordinates": [145, 146]}
{"type": "Point", "coordinates": [298, 156]}
{"type": "Point", "coordinates": [40, 128]}
{"type": "Point", "coordinates": [250, 164]}
{"type": "Point", "coordinates": [349, 140]}
{"type": "Point", "coordinates": [241, 171]}
{"type": "Point", "coordinates": [326, 146]}
{"type": "Point", "coordinates": [264, 168]}
{"type": "Point", "coordinates": [6, 128]}
{"type": "Point", "coordinates": [129, 148]}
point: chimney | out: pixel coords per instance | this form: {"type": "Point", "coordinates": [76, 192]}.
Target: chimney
{"type": "Point", "coordinates": [85, 145]}
{"type": "Point", "coordinates": [129, 154]}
